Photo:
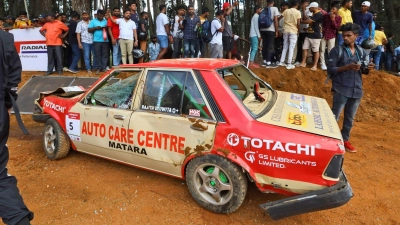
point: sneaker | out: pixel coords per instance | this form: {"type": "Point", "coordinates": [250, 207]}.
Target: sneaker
{"type": "Point", "coordinates": [97, 72]}
{"type": "Point", "coordinates": [48, 73]}
{"type": "Point", "coordinates": [296, 63]}
{"type": "Point", "coordinates": [323, 66]}
{"type": "Point", "coordinates": [282, 64]}
{"type": "Point", "coordinates": [72, 71]}
{"type": "Point", "coordinates": [89, 71]}
{"type": "Point", "coordinates": [349, 147]}
{"type": "Point", "coordinates": [290, 67]}
{"type": "Point", "coordinates": [274, 65]}
{"type": "Point", "coordinates": [107, 68]}
{"type": "Point", "coordinates": [60, 73]}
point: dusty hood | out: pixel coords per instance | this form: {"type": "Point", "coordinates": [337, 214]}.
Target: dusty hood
{"type": "Point", "coordinates": [303, 113]}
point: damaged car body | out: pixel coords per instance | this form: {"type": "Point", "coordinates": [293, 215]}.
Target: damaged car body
{"type": "Point", "coordinates": [211, 122]}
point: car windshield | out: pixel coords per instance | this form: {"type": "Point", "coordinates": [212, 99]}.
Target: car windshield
{"type": "Point", "coordinates": [256, 95]}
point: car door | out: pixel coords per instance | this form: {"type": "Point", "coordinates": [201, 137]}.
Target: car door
{"type": "Point", "coordinates": [172, 121]}
{"type": "Point", "coordinates": [99, 125]}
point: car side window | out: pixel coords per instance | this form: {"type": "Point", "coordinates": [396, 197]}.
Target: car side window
{"type": "Point", "coordinates": [173, 92]}
{"type": "Point", "coordinates": [193, 102]}
{"type": "Point", "coordinates": [117, 91]}
{"type": "Point", "coordinates": [163, 91]}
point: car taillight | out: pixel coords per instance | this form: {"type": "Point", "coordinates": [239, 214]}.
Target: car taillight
{"type": "Point", "coordinates": [334, 167]}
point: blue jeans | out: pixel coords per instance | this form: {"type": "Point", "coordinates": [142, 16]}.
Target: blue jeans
{"type": "Point", "coordinates": [76, 56]}
{"type": "Point", "coordinates": [254, 48]}
{"type": "Point", "coordinates": [87, 49]}
{"type": "Point", "coordinates": [376, 55]}
{"type": "Point", "coordinates": [350, 106]}
{"type": "Point", "coordinates": [389, 60]}
{"type": "Point", "coordinates": [340, 40]}
{"type": "Point", "coordinates": [189, 48]}
{"type": "Point", "coordinates": [116, 54]}
{"type": "Point", "coordinates": [163, 40]}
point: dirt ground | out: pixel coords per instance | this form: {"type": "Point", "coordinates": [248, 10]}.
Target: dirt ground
{"type": "Point", "coordinates": [81, 189]}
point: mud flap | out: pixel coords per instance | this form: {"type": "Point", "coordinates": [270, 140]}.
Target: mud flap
{"type": "Point", "coordinates": [328, 198]}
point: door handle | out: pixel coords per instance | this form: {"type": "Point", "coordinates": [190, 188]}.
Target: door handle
{"type": "Point", "coordinates": [199, 127]}
{"type": "Point", "coordinates": [119, 117]}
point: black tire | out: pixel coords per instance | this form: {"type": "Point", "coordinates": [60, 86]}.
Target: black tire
{"type": "Point", "coordinates": [206, 188]}
{"type": "Point", "coordinates": [56, 143]}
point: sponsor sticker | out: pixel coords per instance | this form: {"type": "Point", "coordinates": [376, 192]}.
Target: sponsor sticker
{"type": "Point", "coordinates": [73, 125]}
{"type": "Point", "coordinates": [297, 97]}
{"type": "Point", "coordinates": [297, 119]}
{"type": "Point", "coordinates": [194, 112]}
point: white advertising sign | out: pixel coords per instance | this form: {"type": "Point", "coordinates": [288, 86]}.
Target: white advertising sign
{"type": "Point", "coordinates": [31, 47]}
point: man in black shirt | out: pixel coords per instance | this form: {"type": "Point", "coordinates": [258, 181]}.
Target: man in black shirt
{"type": "Point", "coordinates": [12, 207]}
{"type": "Point", "coordinates": [314, 35]}
{"type": "Point", "coordinates": [142, 33]}
{"type": "Point", "coordinates": [344, 68]}
{"type": "Point", "coordinates": [134, 14]}
{"type": "Point", "coordinates": [73, 42]}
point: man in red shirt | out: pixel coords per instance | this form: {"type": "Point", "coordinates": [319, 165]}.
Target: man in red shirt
{"type": "Point", "coordinates": [331, 24]}
{"type": "Point", "coordinates": [113, 30]}
{"type": "Point", "coordinates": [53, 32]}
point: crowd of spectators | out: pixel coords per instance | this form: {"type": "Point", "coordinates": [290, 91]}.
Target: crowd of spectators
{"type": "Point", "coordinates": [300, 33]}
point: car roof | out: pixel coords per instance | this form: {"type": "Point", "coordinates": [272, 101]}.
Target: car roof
{"type": "Point", "coordinates": [197, 63]}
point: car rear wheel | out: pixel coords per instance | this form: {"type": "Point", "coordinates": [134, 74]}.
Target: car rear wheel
{"type": "Point", "coordinates": [56, 143]}
{"type": "Point", "coordinates": [216, 183]}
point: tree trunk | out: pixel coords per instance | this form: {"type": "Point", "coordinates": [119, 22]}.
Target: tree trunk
{"type": "Point", "coordinates": [81, 5]}
{"type": "Point", "coordinates": [389, 8]}
{"type": "Point", "coordinates": [44, 5]}
{"type": "Point", "coordinates": [151, 23]}
{"type": "Point", "coordinates": [2, 9]}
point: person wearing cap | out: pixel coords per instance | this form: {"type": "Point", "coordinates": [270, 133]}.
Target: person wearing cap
{"type": "Point", "coordinates": [42, 19]}
{"type": "Point", "coordinates": [364, 19]}
{"type": "Point", "coordinates": [154, 49]}
{"type": "Point", "coordinates": [164, 35]}
{"type": "Point", "coordinates": [268, 35]}
{"type": "Point", "coordinates": [347, 85]}
{"type": "Point", "coordinates": [113, 32]}
{"type": "Point", "coordinates": [85, 40]}
{"type": "Point", "coordinates": [98, 27]}
{"type": "Point", "coordinates": [190, 26]}
{"type": "Point", "coordinates": [9, 23]}
{"type": "Point", "coordinates": [22, 22]}
{"type": "Point", "coordinates": [127, 36]}
{"type": "Point", "coordinates": [345, 13]}
{"type": "Point", "coordinates": [217, 27]}
{"type": "Point", "coordinates": [314, 35]}
{"type": "Point", "coordinates": [53, 32]}
{"type": "Point", "coordinates": [227, 34]}
{"type": "Point", "coordinates": [305, 13]}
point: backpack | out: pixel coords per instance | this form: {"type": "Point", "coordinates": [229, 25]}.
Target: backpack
{"type": "Point", "coordinates": [340, 56]}
{"type": "Point", "coordinates": [264, 20]}
{"type": "Point", "coordinates": [205, 33]}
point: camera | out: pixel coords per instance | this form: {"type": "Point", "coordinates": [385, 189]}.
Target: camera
{"type": "Point", "coordinates": [364, 67]}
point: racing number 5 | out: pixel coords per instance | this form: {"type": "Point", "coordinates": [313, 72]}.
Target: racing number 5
{"type": "Point", "coordinates": [71, 127]}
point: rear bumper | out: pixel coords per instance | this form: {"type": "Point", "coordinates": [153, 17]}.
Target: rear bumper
{"type": "Point", "coordinates": [328, 198]}
{"type": "Point", "coordinates": [40, 117]}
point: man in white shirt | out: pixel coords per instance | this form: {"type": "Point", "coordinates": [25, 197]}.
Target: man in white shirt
{"type": "Point", "coordinates": [127, 33]}
{"type": "Point", "coordinates": [268, 35]}
{"type": "Point", "coordinates": [255, 36]}
{"type": "Point", "coordinates": [217, 27]}
{"type": "Point", "coordinates": [163, 33]}
{"type": "Point", "coordinates": [85, 40]}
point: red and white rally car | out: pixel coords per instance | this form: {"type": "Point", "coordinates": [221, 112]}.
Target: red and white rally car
{"type": "Point", "coordinates": [211, 122]}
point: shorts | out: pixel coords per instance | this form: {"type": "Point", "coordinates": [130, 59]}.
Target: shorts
{"type": "Point", "coordinates": [227, 43]}
{"type": "Point", "coordinates": [163, 40]}
{"type": "Point", "coordinates": [313, 43]}
{"type": "Point", "coordinates": [216, 51]}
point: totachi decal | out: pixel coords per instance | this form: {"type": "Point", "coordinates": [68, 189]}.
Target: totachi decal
{"type": "Point", "coordinates": [194, 112]}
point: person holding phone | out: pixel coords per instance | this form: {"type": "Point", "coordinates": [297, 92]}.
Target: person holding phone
{"type": "Point", "coordinates": [98, 27]}
{"type": "Point", "coordinates": [22, 22]}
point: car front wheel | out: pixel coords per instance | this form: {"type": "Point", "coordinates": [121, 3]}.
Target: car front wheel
{"type": "Point", "coordinates": [216, 183]}
{"type": "Point", "coordinates": [56, 143]}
